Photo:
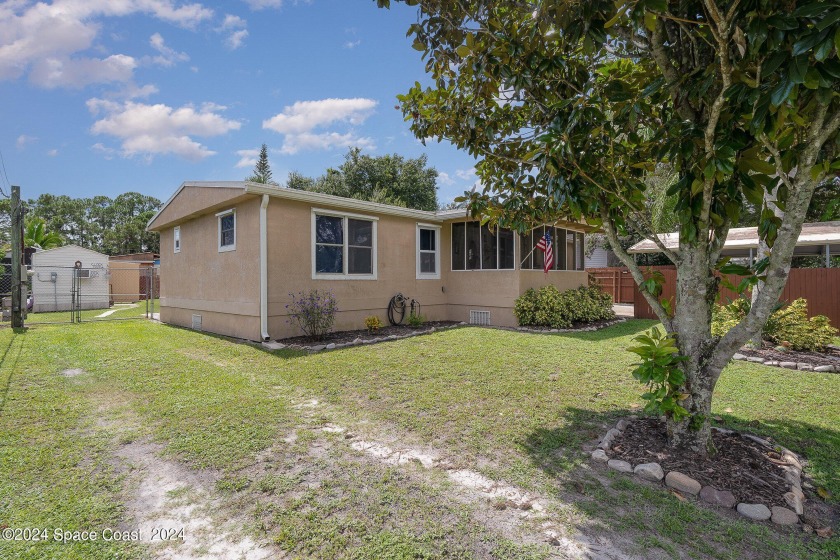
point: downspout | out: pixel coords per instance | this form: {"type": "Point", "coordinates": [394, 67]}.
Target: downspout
{"type": "Point", "coordinates": [264, 268]}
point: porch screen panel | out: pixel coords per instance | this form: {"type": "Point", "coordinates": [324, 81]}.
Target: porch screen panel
{"type": "Point", "coordinates": [570, 250]}
{"type": "Point", "coordinates": [525, 246]}
{"type": "Point", "coordinates": [506, 254]}
{"type": "Point", "coordinates": [473, 246]}
{"type": "Point", "coordinates": [560, 249]}
{"type": "Point", "coordinates": [489, 247]}
{"type": "Point", "coordinates": [458, 246]}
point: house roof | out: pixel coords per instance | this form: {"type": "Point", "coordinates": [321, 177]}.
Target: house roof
{"type": "Point", "coordinates": [812, 240]}
{"type": "Point", "coordinates": [258, 189]}
{"type": "Point", "coordinates": [69, 246]}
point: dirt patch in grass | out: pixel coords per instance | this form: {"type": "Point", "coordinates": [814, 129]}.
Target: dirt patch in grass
{"type": "Point", "coordinates": [173, 509]}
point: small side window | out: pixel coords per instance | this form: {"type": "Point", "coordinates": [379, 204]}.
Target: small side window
{"type": "Point", "coordinates": [177, 238]}
{"type": "Point", "coordinates": [227, 230]}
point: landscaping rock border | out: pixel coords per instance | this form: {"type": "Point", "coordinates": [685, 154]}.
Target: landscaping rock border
{"type": "Point", "coordinates": [800, 366]}
{"type": "Point", "coordinates": [316, 347]}
{"type": "Point", "coordinates": [687, 486]}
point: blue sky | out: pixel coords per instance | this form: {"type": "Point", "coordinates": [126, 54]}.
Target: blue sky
{"type": "Point", "coordinates": [109, 96]}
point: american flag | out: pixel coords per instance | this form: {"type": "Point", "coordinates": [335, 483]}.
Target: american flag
{"type": "Point", "coordinates": [546, 247]}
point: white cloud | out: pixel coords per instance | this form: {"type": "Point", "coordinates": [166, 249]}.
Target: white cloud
{"type": "Point", "coordinates": [324, 141]}
{"type": "Point", "coordinates": [235, 28]}
{"type": "Point", "coordinates": [263, 4]}
{"type": "Point", "coordinates": [52, 153]}
{"type": "Point", "coordinates": [167, 56]}
{"type": "Point", "coordinates": [299, 121]}
{"type": "Point", "coordinates": [444, 178]}
{"type": "Point", "coordinates": [247, 158]}
{"type": "Point", "coordinates": [23, 140]}
{"type": "Point", "coordinates": [352, 44]}
{"type": "Point", "coordinates": [466, 174]}
{"type": "Point", "coordinates": [46, 40]}
{"type": "Point", "coordinates": [235, 39]}
{"type": "Point", "coordinates": [148, 130]}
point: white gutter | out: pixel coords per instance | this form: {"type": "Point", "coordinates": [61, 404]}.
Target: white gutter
{"type": "Point", "coordinates": [264, 268]}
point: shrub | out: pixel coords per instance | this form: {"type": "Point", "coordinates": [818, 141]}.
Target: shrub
{"type": "Point", "coordinates": [373, 324]}
{"type": "Point", "coordinates": [788, 327]}
{"type": "Point", "coordinates": [415, 320]}
{"type": "Point", "coordinates": [314, 312]}
{"type": "Point", "coordinates": [549, 307]}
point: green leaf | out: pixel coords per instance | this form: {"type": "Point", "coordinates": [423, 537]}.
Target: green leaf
{"type": "Point", "coordinates": [809, 42]}
{"type": "Point", "coordinates": [798, 69]}
{"type": "Point", "coordinates": [781, 92]}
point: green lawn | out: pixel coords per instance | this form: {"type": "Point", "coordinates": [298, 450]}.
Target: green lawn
{"type": "Point", "coordinates": [120, 312]}
{"type": "Point", "coordinates": [513, 406]}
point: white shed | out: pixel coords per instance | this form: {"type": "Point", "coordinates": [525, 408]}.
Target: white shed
{"type": "Point", "coordinates": [53, 287]}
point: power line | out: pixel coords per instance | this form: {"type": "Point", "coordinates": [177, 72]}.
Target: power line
{"type": "Point", "coordinates": [3, 162]}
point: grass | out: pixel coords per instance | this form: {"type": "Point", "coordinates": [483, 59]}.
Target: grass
{"type": "Point", "coordinates": [514, 406]}
{"type": "Point", "coordinates": [120, 312]}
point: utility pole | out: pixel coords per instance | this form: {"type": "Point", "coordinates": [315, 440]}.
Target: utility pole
{"type": "Point", "coordinates": [17, 258]}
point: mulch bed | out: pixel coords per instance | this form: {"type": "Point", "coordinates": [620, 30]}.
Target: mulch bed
{"type": "Point", "coordinates": [343, 337]}
{"type": "Point", "coordinates": [831, 357]}
{"type": "Point", "coordinates": [742, 466]}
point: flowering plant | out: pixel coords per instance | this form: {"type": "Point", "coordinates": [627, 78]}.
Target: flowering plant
{"type": "Point", "coordinates": [313, 311]}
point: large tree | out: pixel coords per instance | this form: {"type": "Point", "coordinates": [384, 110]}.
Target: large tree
{"type": "Point", "coordinates": [112, 226]}
{"type": "Point", "coordinates": [390, 179]}
{"type": "Point", "coordinates": [569, 104]}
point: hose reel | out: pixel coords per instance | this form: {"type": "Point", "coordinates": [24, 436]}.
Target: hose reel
{"type": "Point", "coordinates": [397, 307]}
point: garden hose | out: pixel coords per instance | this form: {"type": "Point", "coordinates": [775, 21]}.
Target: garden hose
{"type": "Point", "coordinates": [396, 307]}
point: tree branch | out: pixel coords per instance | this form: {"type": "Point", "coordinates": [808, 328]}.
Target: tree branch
{"type": "Point", "coordinates": [635, 271]}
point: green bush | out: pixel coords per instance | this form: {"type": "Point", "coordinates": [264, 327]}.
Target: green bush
{"type": "Point", "coordinates": [788, 326]}
{"type": "Point", "coordinates": [549, 307]}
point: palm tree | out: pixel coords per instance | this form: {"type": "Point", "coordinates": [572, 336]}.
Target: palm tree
{"type": "Point", "coordinates": [36, 235]}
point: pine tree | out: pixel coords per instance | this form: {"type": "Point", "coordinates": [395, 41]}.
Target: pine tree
{"type": "Point", "coordinates": [262, 170]}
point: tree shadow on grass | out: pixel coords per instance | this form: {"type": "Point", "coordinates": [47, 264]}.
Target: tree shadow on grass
{"type": "Point", "coordinates": [644, 520]}
{"type": "Point", "coordinates": [8, 365]}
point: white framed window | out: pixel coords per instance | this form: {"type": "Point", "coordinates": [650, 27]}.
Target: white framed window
{"type": "Point", "coordinates": [227, 230]}
{"type": "Point", "coordinates": [176, 236]}
{"type": "Point", "coordinates": [428, 251]}
{"type": "Point", "coordinates": [343, 246]}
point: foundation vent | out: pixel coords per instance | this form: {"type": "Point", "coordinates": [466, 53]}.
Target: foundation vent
{"type": "Point", "coordinates": [479, 317]}
{"type": "Point", "coordinates": [196, 322]}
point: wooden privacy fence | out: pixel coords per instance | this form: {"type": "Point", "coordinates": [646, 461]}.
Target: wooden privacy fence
{"type": "Point", "coordinates": [616, 281]}
{"type": "Point", "coordinates": [819, 286]}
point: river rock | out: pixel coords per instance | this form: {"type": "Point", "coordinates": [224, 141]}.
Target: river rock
{"type": "Point", "coordinates": [649, 471]}
{"type": "Point", "coordinates": [788, 365]}
{"type": "Point", "coordinates": [758, 512]}
{"type": "Point", "coordinates": [722, 498]}
{"type": "Point", "coordinates": [783, 516]}
{"type": "Point", "coordinates": [619, 465]}
{"type": "Point", "coordinates": [600, 456]}
{"type": "Point", "coordinates": [824, 369]}
{"type": "Point", "coordinates": [682, 483]}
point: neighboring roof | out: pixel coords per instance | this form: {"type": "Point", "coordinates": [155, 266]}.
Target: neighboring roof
{"type": "Point", "coordinates": [69, 246]}
{"type": "Point", "coordinates": [146, 256]}
{"type": "Point", "coordinates": [259, 189]}
{"type": "Point", "coordinates": [813, 238]}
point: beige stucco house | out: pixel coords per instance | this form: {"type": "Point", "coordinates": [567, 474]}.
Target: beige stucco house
{"type": "Point", "coordinates": [232, 252]}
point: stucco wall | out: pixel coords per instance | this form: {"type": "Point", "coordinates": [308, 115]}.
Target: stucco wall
{"type": "Point", "coordinates": [224, 287]}
{"type": "Point", "coordinates": [290, 270]}
{"type": "Point", "coordinates": [201, 280]}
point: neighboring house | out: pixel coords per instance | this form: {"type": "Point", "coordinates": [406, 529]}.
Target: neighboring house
{"type": "Point", "coordinates": [599, 258]}
{"type": "Point", "coordinates": [53, 274]}
{"type": "Point", "coordinates": [131, 276]}
{"type": "Point", "coordinates": [232, 252]}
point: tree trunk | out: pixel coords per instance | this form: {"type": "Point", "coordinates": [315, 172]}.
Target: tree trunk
{"type": "Point", "coordinates": [697, 289]}
{"type": "Point", "coordinates": [763, 251]}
